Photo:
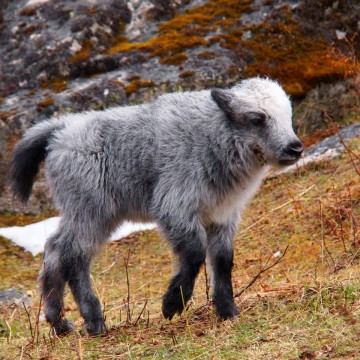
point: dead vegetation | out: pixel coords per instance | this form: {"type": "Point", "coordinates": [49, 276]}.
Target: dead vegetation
{"type": "Point", "coordinates": [296, 275]}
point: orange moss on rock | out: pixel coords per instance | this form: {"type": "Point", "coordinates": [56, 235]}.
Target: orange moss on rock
{"type": "Point", "coordinates": [188, 30]}
{"type": "Point", "coordinates": [137, 84]}
{"type": "Point", "coordinates": [279, 47]}
{"type": "Point", "coordinates": [11, 142]}
{"type": "Point", "coordinates": [57, 85]}
{"type": "Point", "coordinates": [45, 103]}
{"type": "Point", "coordinates": [81, 55]}
{"type": "Point", "coordinates": [283, 52]}
{"type": "Point", "coordinates": [6, 114]}
{"type": "Point", "coordinates": [28, 11]}
{"type": "Point", "coordinates": [207, 55]}
{"type": "Point", "coordinates": [177, 59]}
{"type": "Point", "coordinates": [186, 73]}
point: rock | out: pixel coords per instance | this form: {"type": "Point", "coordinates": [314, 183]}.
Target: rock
{"type": "Point", "coordinates": [326, 149]}
{"type": "Point", "coordinates": [14, 296]}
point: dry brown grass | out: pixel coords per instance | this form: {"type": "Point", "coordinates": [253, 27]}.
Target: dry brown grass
{"type": "Point", "coordinates": [307, 306]}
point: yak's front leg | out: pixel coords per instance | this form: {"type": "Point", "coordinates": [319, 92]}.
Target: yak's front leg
{"type": "Point", "coordinates": [188, 242]}
{"type": "Point", "coordinates": [220, 256]}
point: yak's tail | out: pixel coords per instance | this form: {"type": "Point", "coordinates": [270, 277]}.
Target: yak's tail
{"type": "Point", "coordinates": [29, 152]}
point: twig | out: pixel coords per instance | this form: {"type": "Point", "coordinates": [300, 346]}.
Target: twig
{"type": "Point", "coordinates": [185, 311]}
{"type": "Point", "coordinates": [323, 244]}
{"type": "Point", "coordinates": [37, 321]}
{"type": "Point", "coordinates": [148, 319]}
{"type": "Point", "coordinates": [143, 309]}
{"type": "Point", "coordinates": [30, 325]}
{"type": "Point", "coordinates": [10, 332]}
{"type": "Point", "coordinates": [22, 352]}
{"type": "Point", "coordinates": [108, 268]}
{"type": "Point", "coordinates": [349, 152]}
{"type": "Point", "coordinates": [128, 313]}
{"type": "Point", "coordinates": [262, 270]}
{"type": "Point", "coordinates": [207, 284]}
{"type": "Point", "coordinates": [104, 319]}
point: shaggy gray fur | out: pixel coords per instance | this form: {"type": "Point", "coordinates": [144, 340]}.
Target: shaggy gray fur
{"type": "Point", "coordinates": [188, 160]}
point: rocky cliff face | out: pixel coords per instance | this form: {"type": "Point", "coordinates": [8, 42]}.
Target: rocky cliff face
{"type": "Point", "coordinates": [72, 55]}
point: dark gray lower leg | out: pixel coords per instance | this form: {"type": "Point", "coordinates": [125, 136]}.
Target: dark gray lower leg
{"type": "Point", "coordinates": [182, 284]}
{"type": "Point", "coordinates": [221, 254]}
{"type": "Point", "coordinates": [189, 244]}
{"type": "Point", "coordinates": [77, 271]}
{"type": "Point", "coordinates": [52, 283]}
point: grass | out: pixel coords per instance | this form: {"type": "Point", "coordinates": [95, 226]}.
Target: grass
{"type": "Point", "coordinates": [307, 306]}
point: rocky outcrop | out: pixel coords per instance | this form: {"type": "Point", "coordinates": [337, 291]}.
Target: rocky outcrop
{"type": "Point", "coordinates": [14, 296]}
{"type": "Point", "coordinates": [73, 55]}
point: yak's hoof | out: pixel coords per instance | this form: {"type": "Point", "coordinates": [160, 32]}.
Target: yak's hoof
{"type": "Point", "coordinates": [172, 305]}
{"type": "Point", "coordinates": [62, 328]}
{"type": "Point", "coordinates": [227, 311]}
{"type": "Point", "coordinates": [94, 327]}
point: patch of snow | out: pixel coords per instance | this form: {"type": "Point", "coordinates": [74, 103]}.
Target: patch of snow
{"type": "Point", "coordinates": [340, 35]}
{"type": "Point", "coordinates": [33, 237]}
{"type": "Point", "coordinates": [35, 2]}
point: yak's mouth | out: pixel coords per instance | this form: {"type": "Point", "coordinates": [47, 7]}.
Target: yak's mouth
{"type": "Point", "coordinates": [291, 153]}
{"type": "Point", "coordinates": [288, 161]}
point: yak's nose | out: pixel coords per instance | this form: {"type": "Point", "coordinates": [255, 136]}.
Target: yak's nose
{"type": "Point", "coordinates": [294, 149]}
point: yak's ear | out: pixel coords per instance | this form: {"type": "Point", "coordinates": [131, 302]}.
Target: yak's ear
{"type": "Point", "coordinates": [224, 99]}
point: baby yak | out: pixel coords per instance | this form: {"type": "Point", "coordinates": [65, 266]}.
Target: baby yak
{"type": "Point", "coordinates": [189, 161]}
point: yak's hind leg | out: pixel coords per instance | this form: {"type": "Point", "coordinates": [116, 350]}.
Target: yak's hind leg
{"type": "Point", "coordinates": [67, 258]}
{"type": "Point", "coordinates": [52, 282]}
{"type": "Point", "coordinates": [188, 242]}
{"type": "Point", "coordinates": [220, 256]}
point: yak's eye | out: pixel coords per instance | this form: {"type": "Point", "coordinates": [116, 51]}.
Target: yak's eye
{"type": "Point", "coordinates": [256, 118]}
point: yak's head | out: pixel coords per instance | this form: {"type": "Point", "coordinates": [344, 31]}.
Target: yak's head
{"type": "Point", "coordinates": [261, 110]}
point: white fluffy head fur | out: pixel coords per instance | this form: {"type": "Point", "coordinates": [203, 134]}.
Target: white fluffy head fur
{"type": "Point", "coordinates": [262, 109]}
